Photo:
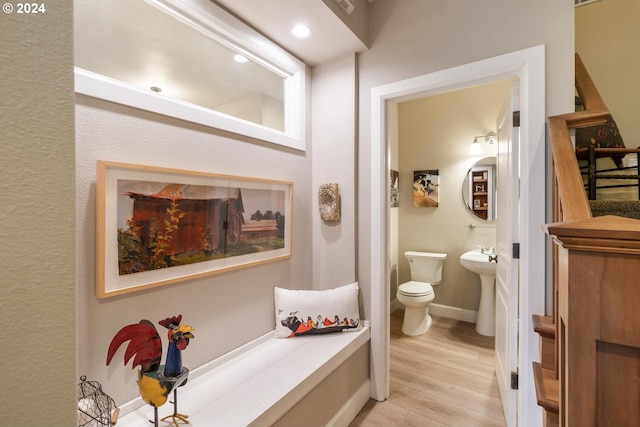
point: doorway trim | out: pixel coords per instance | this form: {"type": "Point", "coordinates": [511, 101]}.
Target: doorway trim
{"type": "Point", "coordinates": [528, 65]}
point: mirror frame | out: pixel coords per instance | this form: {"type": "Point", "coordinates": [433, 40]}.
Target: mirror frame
{"type": "Point", "coordinates": [224, 28]}
{"type": "Point", "coordinates": [466, 191]}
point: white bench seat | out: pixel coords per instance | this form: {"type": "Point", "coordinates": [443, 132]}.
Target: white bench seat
{"type": "Point", "coordinates": [257, 384]}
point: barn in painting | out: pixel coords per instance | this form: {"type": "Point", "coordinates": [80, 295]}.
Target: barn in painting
{"type": "Point", "coordinates": [260, 229]}
{"type": "Point", "coordinates": [208, 218]}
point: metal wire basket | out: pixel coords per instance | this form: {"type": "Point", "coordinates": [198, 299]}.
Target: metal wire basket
{"type": "Point", "coordinates": [95, 408]}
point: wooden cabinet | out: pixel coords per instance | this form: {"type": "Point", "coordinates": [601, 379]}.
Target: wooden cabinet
{"type": "Point", "coordinates": [598, 326]}
{"type": "Point", "coordinates": [481, 197]}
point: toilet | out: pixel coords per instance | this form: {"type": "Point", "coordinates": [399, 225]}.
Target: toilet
{"type": "Point", "coordinates": [426, 271]}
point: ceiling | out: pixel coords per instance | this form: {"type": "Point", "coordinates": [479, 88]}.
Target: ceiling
{"type": "Point", "coordinates": [330, 37]}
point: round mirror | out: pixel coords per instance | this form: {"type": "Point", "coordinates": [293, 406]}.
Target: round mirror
{"type": "Point", "coordinates": [479, 189]}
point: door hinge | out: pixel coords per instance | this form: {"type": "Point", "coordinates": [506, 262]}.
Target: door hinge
{"type": "Point", "coordinates": [515, 252]}
{"type": "Point", "coordinates": [514, 380]}
{"type": "Point", "coordinates": [516, 119]}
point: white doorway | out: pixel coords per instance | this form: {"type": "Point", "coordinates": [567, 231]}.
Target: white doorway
{"type": "Point", "coordinates": [528, 67]}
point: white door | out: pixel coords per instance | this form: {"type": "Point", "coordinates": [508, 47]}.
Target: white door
{"type": "Point", "coordinates": [508, 183]}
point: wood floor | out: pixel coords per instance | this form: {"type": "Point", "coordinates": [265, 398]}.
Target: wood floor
{"type": "Point", "coordinates": [444, 378]}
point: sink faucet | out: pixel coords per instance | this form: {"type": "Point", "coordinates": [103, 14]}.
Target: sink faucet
{"type": "Point", "coordinates": [487, 250]}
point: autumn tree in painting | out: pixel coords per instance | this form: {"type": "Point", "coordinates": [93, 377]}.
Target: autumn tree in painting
{"type": "Point", "coordinates": [180, 225]}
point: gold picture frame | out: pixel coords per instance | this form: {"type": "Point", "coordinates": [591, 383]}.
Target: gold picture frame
{"type": "Point", "coordinates": [159, 226]}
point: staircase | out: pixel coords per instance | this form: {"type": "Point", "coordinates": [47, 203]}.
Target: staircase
{"type": "Point", "coordinates": [589, 367]}
{"type": "Point", "coordinates": [544, 372]}
{"type": "Point", "coordinates": [625, 208]}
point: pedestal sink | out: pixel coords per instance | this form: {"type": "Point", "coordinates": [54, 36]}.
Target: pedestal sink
{"type": "Point", "coordinates": [479, 263]}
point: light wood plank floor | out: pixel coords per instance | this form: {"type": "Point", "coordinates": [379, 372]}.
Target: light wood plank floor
{"type": "Point", "coordinates": [444, 378]}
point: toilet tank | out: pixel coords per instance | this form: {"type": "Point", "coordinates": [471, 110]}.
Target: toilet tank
{"type": "Point", "coordinates": [426, 266]}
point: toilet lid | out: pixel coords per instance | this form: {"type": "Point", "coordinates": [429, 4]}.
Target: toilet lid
{"type": "Point", "coordinates": [416, 289]}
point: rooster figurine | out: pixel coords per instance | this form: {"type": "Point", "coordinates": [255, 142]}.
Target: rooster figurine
{"type": "Point", "coordinates": [156, 381]}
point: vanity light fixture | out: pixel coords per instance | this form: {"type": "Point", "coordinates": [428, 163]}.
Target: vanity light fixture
{"type": "Point", "coordinates": [476, 147]}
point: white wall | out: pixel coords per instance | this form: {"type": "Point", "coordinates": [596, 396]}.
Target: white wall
{"type": "Point", "coordinates": [333, 134]}
{"type": "Point", "coordinates": [37, 301]}
{"type": "Point", "coordinates": [227, 309]}
{"type": "Point", "coordinates": [410, 38]}
{"type": "Point", "coordinates": [435, 133]}
{"type": "Point", "coordinates": [357, 22]}
{"type": "Point", "coordinates": [257, 108]}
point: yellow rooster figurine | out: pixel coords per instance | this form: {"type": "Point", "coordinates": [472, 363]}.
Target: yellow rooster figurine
{"type": "Point", "coordinates": [156, 381]}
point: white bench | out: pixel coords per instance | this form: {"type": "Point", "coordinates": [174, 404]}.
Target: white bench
{"type": "Point", "coordinates": [260, 382]}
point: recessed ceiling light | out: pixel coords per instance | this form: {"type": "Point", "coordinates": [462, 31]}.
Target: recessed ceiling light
{"type": "Point", "coordinates": [301, 31]}
{"type": "Point", "coordinates": [240, 58]}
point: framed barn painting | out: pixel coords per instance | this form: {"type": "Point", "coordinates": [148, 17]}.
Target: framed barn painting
{"type": "Point", "coordinates": [158, 226]}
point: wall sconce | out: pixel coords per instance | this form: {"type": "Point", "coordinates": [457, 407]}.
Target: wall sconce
{"type": "Point", "coordinates": [476, 147]}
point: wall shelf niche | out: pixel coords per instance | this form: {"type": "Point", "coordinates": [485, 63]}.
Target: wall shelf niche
{"type": "Point", "coordinates": [481, 200]}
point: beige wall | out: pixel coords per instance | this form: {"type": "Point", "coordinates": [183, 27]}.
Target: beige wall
{"type": "Point", "coordinates": [435, 133]}
{"type": "Point", "coordinates": [608, 41]}
{"type": "Point", "coordinates": [410, 38]}
{"type": "Point", "coordinates": [38, 297]}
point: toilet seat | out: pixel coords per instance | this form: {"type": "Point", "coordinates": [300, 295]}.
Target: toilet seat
{"type": "Point", "coordinates": [416, 289]}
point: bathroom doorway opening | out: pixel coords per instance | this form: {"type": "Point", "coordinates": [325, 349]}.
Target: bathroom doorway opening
{"type": "Point", "coordinates": [528, 67]}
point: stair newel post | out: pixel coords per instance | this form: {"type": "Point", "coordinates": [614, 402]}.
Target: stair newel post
{"type": "Point", "coordinates": [599, 334]}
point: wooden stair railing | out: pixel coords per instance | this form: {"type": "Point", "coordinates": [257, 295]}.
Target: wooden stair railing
{"type": "Point", "coordinates": [569, 203]}
{"type": "Point", "coordinates": [595, 113]}
{"type": "Point", "coordinates": [561, 374]}
{"type": "Point", "coordinates": [592, 174]}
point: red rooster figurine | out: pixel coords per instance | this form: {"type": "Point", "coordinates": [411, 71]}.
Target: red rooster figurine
{"type": "Point", "coordinates": [156, 381]}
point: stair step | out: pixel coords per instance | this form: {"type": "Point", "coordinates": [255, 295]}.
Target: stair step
{"type": "Point", "coordinates": [547, 388]}
{"type": "Point", "coordinates": [625, 208]}
{"type": "Point", "coordinates": [544, 326]}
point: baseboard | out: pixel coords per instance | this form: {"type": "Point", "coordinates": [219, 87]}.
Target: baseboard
{"type": "Point", "coordinates": [350, 410]}
{"type": "Point", "coordinates": [395, 305]}
{"type": "Point", "coordinates": [456, 313]}
{"type": "Point", "coordinates": [441, 310]}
